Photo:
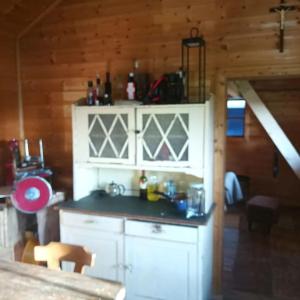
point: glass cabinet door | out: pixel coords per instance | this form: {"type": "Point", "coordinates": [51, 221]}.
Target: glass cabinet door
{"type": "Point", "coordinates": [165, 135]}
{"type": "Point", "coordinates": [109, 135]}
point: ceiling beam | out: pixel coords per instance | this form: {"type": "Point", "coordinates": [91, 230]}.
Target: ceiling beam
{"type": "Point", "coordinates": [271, 126]}
{"type": "Point", "coordinates": [38, 19]}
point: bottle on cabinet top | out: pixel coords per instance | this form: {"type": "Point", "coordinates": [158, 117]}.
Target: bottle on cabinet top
{"type": "Point", "coordinates": [131, 87]}
{"type": "Point", "coordinates": [96, 95]}
{"type": "Point", "coordinates": [107, 97]}
{"type": "Point", "coordinates": [99, 96]}
{"type": "Point", "coordinates": [90, 93]}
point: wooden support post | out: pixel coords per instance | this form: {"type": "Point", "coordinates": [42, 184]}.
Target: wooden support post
{"type": "Point", "coordinates": [219, 170]}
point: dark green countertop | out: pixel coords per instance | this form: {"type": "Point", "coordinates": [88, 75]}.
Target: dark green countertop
{"type": "Point", "coordinates": [133, 208]}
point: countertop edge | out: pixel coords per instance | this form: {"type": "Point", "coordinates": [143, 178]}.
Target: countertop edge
{"type": "Point", "coordinates": [164, 220]}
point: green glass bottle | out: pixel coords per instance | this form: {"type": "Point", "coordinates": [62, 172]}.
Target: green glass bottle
{"type": "Point", "coordinates": [143, 186]}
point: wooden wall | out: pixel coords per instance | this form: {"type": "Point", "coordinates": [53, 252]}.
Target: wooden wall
{"type": "Point", "coordinates": [253, 155]}
{"type": "Point", "coordinates": [9, 125]}
{"type": "Point", "coordinates": [80, 38]}
{"type": "Point", "coordinates": [247, 38]}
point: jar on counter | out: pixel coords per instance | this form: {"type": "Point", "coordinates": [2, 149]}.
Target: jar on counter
{"type": "Point", "coordinates": [151, 188]}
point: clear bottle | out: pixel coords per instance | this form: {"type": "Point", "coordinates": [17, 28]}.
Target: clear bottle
{"type": "Point", "coordinates": [143, 186]}
{"type": "Point", "coordinates": [170, 188]}
{"type": "Point", "coordinates": [196, 201]}
{"type": "Point", "coordinates": [152, 188]}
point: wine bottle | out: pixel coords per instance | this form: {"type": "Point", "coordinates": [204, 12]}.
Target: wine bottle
{"type": "Point", "coordinates": [98, 99]}
{"type": "Point", "coordinates": [90, 93]}
{"type": "Point", "coordinates": [107, 90]}
{"type": "Point", "coordinates": [143, 186]}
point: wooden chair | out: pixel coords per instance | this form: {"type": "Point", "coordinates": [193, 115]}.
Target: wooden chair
{"type": "Point", "coordinates": [27, 255]}
{"type": "Point", "coordinates": [55, 252]}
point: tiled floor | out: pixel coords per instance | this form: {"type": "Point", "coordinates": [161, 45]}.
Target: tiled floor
{"type": "Point", "coordinates": [259, 266]}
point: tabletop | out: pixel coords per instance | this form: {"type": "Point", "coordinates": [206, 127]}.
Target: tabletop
{"type": "Point", "coordinates": [23, 281]}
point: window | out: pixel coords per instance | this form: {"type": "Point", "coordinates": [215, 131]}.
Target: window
{"type": "Point", "coordinates": [236, 117]}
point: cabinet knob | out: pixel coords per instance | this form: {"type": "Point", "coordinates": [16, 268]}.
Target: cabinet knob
{"type": "Point", "coordinates": [128, 268]}
{"type": "Point", "coordinates": [89, 221]}
{"type": "Point", "coordinates": [137, 131]}
{"type": "Point", "coordinates": [119, 266]}
{"type": "Point", "coordinates": [157, 228]}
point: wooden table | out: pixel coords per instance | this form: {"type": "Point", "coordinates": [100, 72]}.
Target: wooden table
{"type": "Point", "coordinates": [23, 281]}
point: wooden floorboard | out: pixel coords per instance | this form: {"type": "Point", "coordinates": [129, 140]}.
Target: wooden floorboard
{"type": "Point", "coordinates": [260, 266]}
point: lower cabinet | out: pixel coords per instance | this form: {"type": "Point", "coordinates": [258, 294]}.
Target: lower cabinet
{"type": "Point", "coordinates": [159, 269]}
{"type": "Point", "coordinates": [99, 236]}
{"type": "Point", "coordinates": [154, 261]}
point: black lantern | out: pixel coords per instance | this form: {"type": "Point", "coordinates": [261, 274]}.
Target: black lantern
{"type": "Point", "coordinates": [194, 78]}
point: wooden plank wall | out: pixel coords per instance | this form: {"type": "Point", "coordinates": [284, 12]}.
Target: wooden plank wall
{"type": "Point", "coordinates": [248, 39]}
{"type": "Point", "coordinates": [16, 15]}
{"type": "Point", "coordinates": [81, 38]}
{"type": "Point", "coordinates": [9, 125]}
{"type": "Point", "coordinates": [253, 155]}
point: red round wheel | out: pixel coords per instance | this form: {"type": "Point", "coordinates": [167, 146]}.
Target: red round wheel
{"type": "Point", "coordinates": [31, 194]}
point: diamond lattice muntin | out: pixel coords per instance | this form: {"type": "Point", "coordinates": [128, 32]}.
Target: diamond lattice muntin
{"type": "Point", "coordinates": [165, 137]}
{"type": "Point", "coordinates": [108, 136]}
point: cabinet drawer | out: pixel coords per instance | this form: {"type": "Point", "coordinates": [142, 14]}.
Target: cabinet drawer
{"type": "Point", "coordinates": [162, 231]}
{"type": "Point", "coordinates": [92, 222]}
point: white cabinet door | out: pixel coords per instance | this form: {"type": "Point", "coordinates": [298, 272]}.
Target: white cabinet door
{"type": "Point", "coordinates": [104, 134]}
{"type": "Point", "coordinates": [160, 270]}
{"type": "Point", "coordinates": [171, 136]}
{"type": "Point", "coordinates": [107, 246]}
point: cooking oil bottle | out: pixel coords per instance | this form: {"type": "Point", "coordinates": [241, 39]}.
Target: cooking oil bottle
{"type": "Point", "coordinates": [151, 188]}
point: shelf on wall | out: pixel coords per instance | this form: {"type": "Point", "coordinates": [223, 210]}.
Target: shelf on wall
{"type": "Point", "coordinates": [189, 171]}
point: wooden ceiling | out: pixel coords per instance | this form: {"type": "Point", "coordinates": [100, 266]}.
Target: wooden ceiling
{"type": "Point", "coordinates": [15, 15]}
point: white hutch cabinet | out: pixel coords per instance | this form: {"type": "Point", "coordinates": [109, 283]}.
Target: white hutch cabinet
{"type": "Point", "coordinates": [154, 260]}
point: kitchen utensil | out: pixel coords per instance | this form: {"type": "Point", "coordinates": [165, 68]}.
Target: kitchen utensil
{"type": "Point", "coordinates": [115, 189]}
{"type": "Point", "coordinates": [196, 201]}
{"type": "Point", "coordinates": [175, 197]}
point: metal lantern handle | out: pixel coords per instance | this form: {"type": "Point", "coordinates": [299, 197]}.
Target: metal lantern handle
{"type": "Point", "coordinates": [194, 30]}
